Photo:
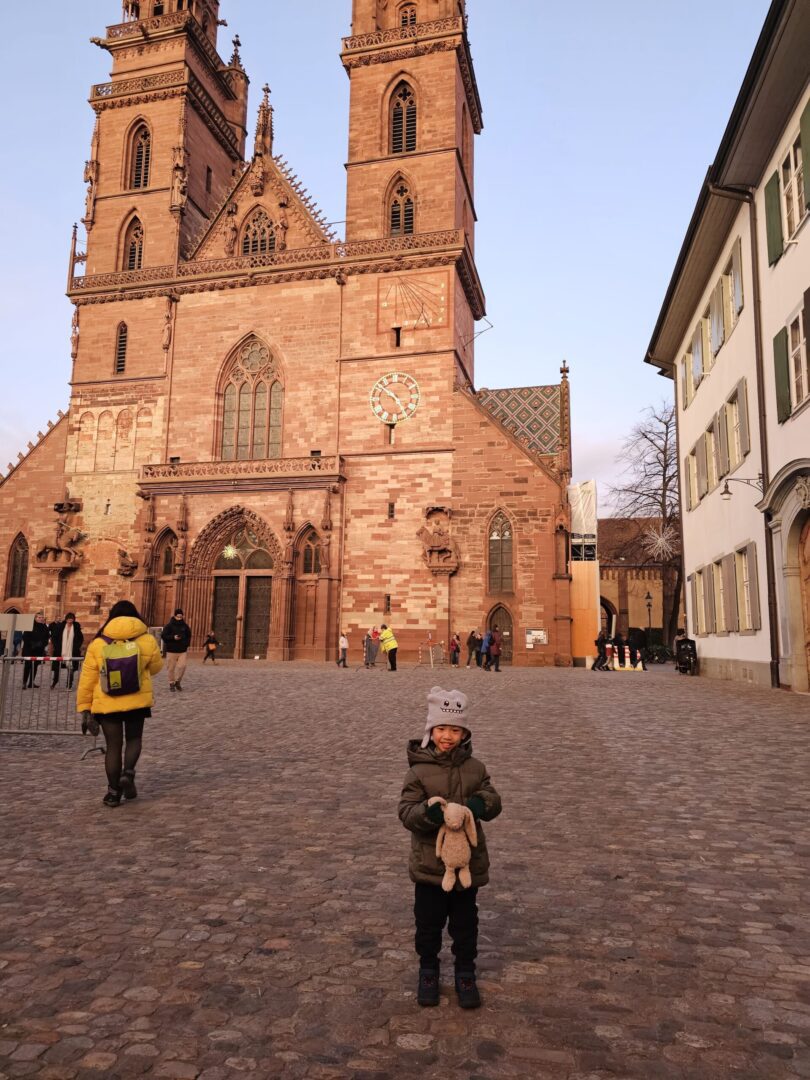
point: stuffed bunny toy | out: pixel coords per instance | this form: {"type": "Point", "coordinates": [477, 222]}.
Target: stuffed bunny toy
{"type": "Point", "coordinates": [454, 843]}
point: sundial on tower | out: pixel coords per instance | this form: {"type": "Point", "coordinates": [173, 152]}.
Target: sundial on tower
{"type": "Point", "coordinates": [413, 302]}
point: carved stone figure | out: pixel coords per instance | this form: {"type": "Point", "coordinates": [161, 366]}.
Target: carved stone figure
{"type": "Point", "coordinates": [441, 552]}
{"type": "Point", "coordinates": [74, 335]}
{"type": "Point", "coordinates": [803, 492]}
{"type": "Point", "coordinates": [63, 549]}
{"type": "Point", "coordinates": [282, 224]}
{"type": "Point", "coordinates": [91, 179]}
{"type": "Point", "coordinates": [257, 178]}
{"type": "Point", "coordinates": [289, 515]}
{"type": "Point", "coordinates": [179, 187]}
{"type": "Point", "coordinates": [168, 324]}
{"type": "Point", "coordinates": [126, 565]}
{"type": "Point", "coordinates": [231, 231]}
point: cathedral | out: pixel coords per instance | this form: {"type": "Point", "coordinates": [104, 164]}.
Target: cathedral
{"type": "Point", "coordinates": [273, 428]}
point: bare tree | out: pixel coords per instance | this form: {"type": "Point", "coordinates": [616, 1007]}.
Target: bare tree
{"type": "Point", "coordinates": [649, 491]}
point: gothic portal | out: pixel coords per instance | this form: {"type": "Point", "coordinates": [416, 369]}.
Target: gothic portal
{"type": "Point", "coordinates": [275, 428]}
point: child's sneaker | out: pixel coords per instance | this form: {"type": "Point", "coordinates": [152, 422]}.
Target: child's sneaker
{"type": "Point", "coordinates": [428, 992]}
{"type": "Point", "coordinates": [468, 996]}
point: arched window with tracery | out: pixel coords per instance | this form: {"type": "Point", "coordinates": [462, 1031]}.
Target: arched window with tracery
{"type": "Point", "coordinates": [133, 245]}
{"type": "Point", "coordinates": [401, 210]}
{"type": "Point", "coordinates": [311, 549]}
{"type": "Point", "coordinates": [407, 15]}
{"type": "Point", "coordinates": [140, 157]}
{"type": "Point", "coordinates": [252, 405]}
{"type": "Point", "coordinates": [17, 580]}
{"type": "Point", "coordinates": [501, 578]}
{"type": "Point", "coordinates": [259, 236]}
{"type": "Point", "coordinates": [403, 120]}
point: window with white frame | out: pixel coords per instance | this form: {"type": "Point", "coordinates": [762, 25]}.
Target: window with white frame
{"type": "Point", "coordinates": [687, 386]}
{"type": "Point", "coordinates": [799, 368]}
{"type": "Point", "coordinates": [711, 458]}
{"type": "Point", "coordinates": [743, 566]}
{"type": "Point", "coordinates": [719, 599]}
{"type": "Point", "coordinates": [734, 436]}
{"type": "Point", "coordinates": [700, 602]}
{"type": "Point", "coordinates": [793, 188]}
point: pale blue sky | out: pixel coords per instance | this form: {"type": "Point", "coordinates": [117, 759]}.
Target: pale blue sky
{"type": "Point", "coordinates": [600, 122]}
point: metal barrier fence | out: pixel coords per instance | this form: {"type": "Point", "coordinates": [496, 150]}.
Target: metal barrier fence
{"type": "Point", "coordinates": [39, 708]}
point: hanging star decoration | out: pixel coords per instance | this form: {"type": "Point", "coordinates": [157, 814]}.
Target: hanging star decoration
{"type": "Point", "coordinates": [660, 543]}
{"type": "Point", "coordinates": [229, 552]}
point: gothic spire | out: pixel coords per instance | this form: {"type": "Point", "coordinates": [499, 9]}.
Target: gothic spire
{"type": "Point", "coordinates": [264, 126]}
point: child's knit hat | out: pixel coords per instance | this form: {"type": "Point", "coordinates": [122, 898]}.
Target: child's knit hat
{"type": "Point", "coordinates": [445, 707]}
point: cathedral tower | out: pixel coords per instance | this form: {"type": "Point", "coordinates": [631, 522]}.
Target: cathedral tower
{"type": "Point", "coordinates": [414, 112]}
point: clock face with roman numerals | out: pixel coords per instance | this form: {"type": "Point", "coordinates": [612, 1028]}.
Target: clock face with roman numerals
{"type": "Point", "coordinates": [394, 397]}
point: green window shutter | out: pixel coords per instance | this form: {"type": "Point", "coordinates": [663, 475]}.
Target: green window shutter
{"type": "Point", "coordinates": [687, 483]}
{"type": "Point", "coordinates": [742, 410]}
{"type": "Point", "coordinates": [693, 593]}
{"type": "Point", "coordinates": [721, 434]}
{"type": "Point", "coordinates": [773, 220]}
{"type": "Point", "coordinates": [730, 594]}
{"type": "Point", "coordinates": [708, 593]}
{"type": "Point", "coordinates": [753, 587]}
{"type": "Point", "coordinates": [805, 136]}
{"type": "Point", "coordinates": [781, 365]}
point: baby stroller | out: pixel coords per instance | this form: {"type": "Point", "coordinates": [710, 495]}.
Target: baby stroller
{"type": "Point", "coordinates": [686, 660]}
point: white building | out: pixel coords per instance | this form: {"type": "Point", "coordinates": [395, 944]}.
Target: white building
{"type": "Point", "coordinates": [733, 335]}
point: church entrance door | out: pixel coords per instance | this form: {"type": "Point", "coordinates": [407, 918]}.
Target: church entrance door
{"type": "Point", "coordinates": [243, 583]}
{"type": "Point", "coordinates": [804, 577]}
{"type": "Point", "coordinates": [501, 618]}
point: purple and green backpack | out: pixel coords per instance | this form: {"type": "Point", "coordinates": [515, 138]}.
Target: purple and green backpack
{"type": "Point", "coordinates": [120, 667]}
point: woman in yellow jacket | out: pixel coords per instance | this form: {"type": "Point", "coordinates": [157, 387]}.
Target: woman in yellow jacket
{"type": "Point", "coordinates": [123, 713]}
{"type": "Point", "coordinates": [388, 644]}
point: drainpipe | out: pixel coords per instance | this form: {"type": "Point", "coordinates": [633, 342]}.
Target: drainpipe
{"type": "Point", "coordinates": [746, 194]}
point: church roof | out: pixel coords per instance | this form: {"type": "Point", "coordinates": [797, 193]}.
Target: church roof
{"type": "Point", "coordinates": [532, 414]}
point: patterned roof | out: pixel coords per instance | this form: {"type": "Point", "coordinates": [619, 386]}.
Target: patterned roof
{"type": "Point", "coordinates": [530, 413]}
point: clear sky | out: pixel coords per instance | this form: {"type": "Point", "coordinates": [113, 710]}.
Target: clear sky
{"type": "Point", "coordinates": [600, 122]}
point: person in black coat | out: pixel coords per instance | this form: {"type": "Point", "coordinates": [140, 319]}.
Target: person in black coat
{"type": "Point", "coordinates": [176, 636]}
{"type": "Point", "coordinates": [621, 648]}
{"type": "Point", "coordinates": [66, 640]}
{"type": "Point", "coordinates": [35, 643]}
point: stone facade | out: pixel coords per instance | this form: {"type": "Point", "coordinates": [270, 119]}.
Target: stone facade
{"type": "Point", "coordinates": [275, 429]}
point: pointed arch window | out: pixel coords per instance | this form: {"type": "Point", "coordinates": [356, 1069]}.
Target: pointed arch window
{"type": "Point", "coordinates": [141, 157]}
{"type": "Point", "coordinates": [401, 211]}
{"type": "Point", "coordinates": [167, 556]}
{"type": "Point", "coordinates": [252, 406]}
{"type": "Point", "coordinates": [407, 15]}
{"type": "Point", "coordinates": [133, 246]}
{"type": "Point", "coordinates": [121, 336]}
{"type": "Point", "coordinates": [403, 120]}
{"type": "Point", "coordinates": [501, 579]}
{"type": "Point", "coordinates": [17, 582]}
{"type": "Point", "coordinates": [311, 563]}
{"type": "Point", "coordinates": [259, 236]}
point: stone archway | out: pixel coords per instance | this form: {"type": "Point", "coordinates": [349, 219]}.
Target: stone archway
{"type": "Point", "coordinates": [229, 584]}
{"type": "Point", "coordinates": [804, 584]}
{"type": "Point", "coordinates": [609, 617]}
{"type": "Point", "coordinates": [502, 618]}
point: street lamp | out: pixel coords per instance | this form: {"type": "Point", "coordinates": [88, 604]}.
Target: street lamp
{"type": "Point", "coordinates": [759, 484]}
{"type": "Point", "coordinates": [648, 599]}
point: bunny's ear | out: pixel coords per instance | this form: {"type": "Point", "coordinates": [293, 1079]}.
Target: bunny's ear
{"type": "Point", "coordinates": [437, 799]}
{"type": "Point", "coordinates": [469, 827]}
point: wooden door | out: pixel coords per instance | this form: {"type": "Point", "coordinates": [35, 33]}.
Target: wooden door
{"type": "Point", "coordinates": [226, 609]}
{"type": "Point", "coordinates": [804, 577]}
{"type": "Point", "coordinates": [163, 607]}
{"type": "Point", "coordinates": [257, 616]}
{"type": "Point", "coordinates": [501, 618]}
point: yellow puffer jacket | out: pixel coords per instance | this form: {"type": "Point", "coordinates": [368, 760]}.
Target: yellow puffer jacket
{"type": "Point", "coordinates": [91, 697]}
{"type": "Point", "coordinates": [388, 641]}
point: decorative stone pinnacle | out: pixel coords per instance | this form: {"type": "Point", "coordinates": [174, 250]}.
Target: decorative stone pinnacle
{"type": "Point", "coordinates": [564, 370]}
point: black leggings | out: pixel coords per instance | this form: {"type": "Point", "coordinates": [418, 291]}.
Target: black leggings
{"type": "Point", "coordinates": [114, 737]}
{"type": "Point", "coordinates": [432, 908]}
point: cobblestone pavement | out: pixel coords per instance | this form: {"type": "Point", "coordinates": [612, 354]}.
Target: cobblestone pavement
{"type": "Point", "coordinates": [250, 914]}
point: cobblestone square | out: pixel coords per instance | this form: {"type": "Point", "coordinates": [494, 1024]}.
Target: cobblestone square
{"type": "Point", "coordinates": [250, 914]}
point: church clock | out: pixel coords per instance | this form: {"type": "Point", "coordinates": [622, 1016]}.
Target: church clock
{"type": "Point", "coordinates": [394, 397]}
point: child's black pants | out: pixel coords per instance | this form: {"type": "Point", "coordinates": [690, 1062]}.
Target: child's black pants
{"type": "Point", "coordinates": [432, 908]}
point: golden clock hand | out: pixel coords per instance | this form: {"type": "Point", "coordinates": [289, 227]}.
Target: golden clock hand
{"type": "Point", "coordinates": [396, 399]}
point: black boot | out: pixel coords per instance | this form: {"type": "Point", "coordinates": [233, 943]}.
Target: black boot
{"type": "Point", "coordinates": [428, 992]}
{"type": "Point", "coordinates": [127, 783]}
{"type": "Point", "coordinates": [468, 996]}
{"type": "Point", "coordinates": [112, 798]}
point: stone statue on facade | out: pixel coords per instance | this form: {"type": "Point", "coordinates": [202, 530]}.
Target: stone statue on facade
{"type": "Point", "coordinates": [441, 553]}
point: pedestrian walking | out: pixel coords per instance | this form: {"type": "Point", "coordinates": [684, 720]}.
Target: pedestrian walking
{"type": "Point", "coordinates": [484, 650]}
{"type": "Point", "coordinates": [455, 649]}
{"type": "Point", "coordinates": [388, 644]}
{"type": "Point", "coordinates": [210, 646]}
{"type": "Point", "coordinates": [635, 643]}
{"type": "Point", "coordinates": [115, 694]}
{"type": "Point", "coordinates": [496, 648]}
{"type": "Point", "coordinates": [66, 640]}
{"type": "Point", "coordinates": [176, 635]}
{"type": "Point", "coordinates": [343, 647]}
{"type": "Point", "coordinates": [601, 643]}
{"type": "Point", "coordinates": [441, 764]}
{"type": "Point", "coordinates": [473, 645]}
{"type": "Point", "coordinates": [34, 644]}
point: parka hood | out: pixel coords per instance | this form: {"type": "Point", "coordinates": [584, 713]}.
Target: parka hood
{"type": "Point", "coordinates": [124, 628]}
{"type": "Point", "coordinates": [429, 755]}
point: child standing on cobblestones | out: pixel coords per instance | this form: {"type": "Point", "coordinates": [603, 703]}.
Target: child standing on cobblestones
{"type": "Point", "coordinates": [442, 764]}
